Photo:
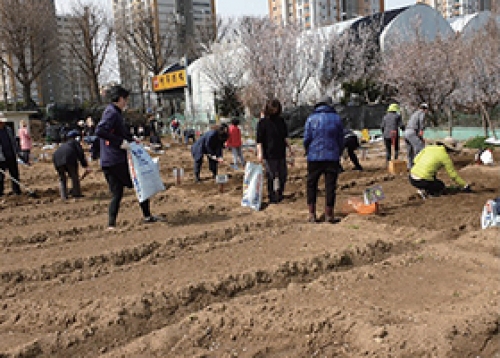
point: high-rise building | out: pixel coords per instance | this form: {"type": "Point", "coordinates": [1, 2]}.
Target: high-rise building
{"type": "Point", "coordinates": [71, 80]}
{"type": "Point", "coordinates": [453, 8]}
{"type": "Point", "coordinates": [316, 13]}
{"type": "Point", "coordinates": [175, 22]}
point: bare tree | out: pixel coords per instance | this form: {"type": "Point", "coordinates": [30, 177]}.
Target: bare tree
{"type": "Point", "coordinates": [28, 44]}
{"type": "Point", "coordinates": [480, 73]}
{"type": "Point", "coordinates": [279, 61]}
{"type": "Point", "coordinates": [150, 47]}
{"type": "Point", "coordinates": [352, 56]}
{"type": "Point", "coordinates": [89, 42]}
{"type": "Point", "coordinates": [422, 70]}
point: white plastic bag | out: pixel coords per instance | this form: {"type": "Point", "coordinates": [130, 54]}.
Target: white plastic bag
{"type": "Point", "coordinates": [252, 186]}
{"type": "Point", "coordinates": [145, 172]}
{"type": "Point", "coordinates": [491, 214]}
{"type": "Point", "coordinates": [486, 157]}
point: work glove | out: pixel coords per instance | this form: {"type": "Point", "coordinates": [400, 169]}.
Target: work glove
{"type": "Point", "coordinates": [467, 189]}
{"type": "Point", "coordinates": [125, 145]}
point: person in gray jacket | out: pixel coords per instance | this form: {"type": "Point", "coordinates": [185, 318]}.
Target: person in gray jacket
{"type": "Point", "coordinates": [414, 133]}
{"type": "Point", "coordinates": [65, 160]}
{"type": "Point", "coordinates": [391, 123]}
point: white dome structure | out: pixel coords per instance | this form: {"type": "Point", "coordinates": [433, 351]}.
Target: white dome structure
{"type": "Point", "coordinates": [403, 28]}
{"type": "Point", "coordinates": [469, 24]}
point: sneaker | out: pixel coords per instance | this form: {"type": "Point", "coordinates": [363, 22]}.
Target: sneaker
{"type": "Point", "coordinates": [153, 219]}
{"type": "Point", "coordinates": [422, 193]}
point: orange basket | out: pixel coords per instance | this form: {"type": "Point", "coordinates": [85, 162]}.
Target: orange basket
{"type": "Point", "coordinates": [357, 206]}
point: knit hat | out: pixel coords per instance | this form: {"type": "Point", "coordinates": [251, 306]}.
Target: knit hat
{"type": "Point", "coordinates": [72, 134]}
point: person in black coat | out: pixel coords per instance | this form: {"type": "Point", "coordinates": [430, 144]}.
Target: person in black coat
{"type": "Point", "coordinates": [8, 157]}
{"type": "Point", "coordinates": [210, 144]}
{"type": "Point", "coordinates": [351, 143]}
{"type": "Point", "coordinates": [65, 160]}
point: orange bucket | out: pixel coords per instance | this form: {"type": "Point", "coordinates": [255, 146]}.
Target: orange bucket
{"type": "Point", "coordinates": [355, 205]}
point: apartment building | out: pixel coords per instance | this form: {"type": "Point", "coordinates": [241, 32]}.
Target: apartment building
{"type": "Point", "coordinates": [71, 80]}
{"type": "Point", "coordinates": [454, 8]}
{"type": "Point", "coordinates": [317, 13]}
{"type": "Point", "coordinates": [175, 22]}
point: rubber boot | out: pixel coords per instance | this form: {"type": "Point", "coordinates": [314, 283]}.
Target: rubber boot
{"type": "Point", "coordinates": [312, 213]}
{"type": "Point", "coordinates": [329, 215]}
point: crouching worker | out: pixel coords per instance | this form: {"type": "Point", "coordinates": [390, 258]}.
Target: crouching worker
{"type": "Point", "coordinates": [189, 134]}
{"type": "Point", "coordinates": [428, 162]}
{"type": "Point", "coordinates": [210, 144]}
{"type": "Point", "coordinates": [65, 160]}
{"type": "Point", "coordinates": [351, 143]}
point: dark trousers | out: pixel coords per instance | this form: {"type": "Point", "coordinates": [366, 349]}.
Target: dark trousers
{"type": "Point", "coordinates": [11, 165]}
{"type": "Point", "coordinates": [25, 156]}
{"type": "Point", "coordinates": [433, 187]}
{"type": "Point", "coordinates": [389, 143]}
{"type": "Point", "coordinates": [276, 168]}
{"type": "Point", "coordinates": [116, 182]}
{"type": "Point", "coordinates": [212, 166]}
{"type": "Point", "coordinates": [63, 172]}
{"type": "Point", "coordinates": [351, 144]}
{"type": "Point", "coordinates": [314, 171]}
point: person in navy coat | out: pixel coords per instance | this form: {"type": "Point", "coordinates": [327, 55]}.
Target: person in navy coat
{"type": "Point", "coordinates": [114, 143]}
{"type": "Point", "coordinates": [210, 144]}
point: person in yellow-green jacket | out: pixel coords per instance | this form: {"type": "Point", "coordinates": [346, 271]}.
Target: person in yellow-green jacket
{"type": "Point", "coordinates": [427, 163]}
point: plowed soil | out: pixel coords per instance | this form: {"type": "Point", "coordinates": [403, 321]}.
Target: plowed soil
{"type": "Point", "coordinates": [420, 279]}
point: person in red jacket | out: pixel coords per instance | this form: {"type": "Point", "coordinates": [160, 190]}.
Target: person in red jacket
{"type": "Point", "coordinates": [234, 143]}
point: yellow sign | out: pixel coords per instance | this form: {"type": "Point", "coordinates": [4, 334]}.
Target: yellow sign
{"type": "Point", "coordinates": [168, 81]}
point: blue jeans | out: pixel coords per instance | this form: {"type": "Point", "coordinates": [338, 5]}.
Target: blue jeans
{"type": "Point", "coordinates": [238, 156]}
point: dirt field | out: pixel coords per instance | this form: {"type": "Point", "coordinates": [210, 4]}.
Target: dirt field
{"type": "Point", "coordinates": [421, 279]}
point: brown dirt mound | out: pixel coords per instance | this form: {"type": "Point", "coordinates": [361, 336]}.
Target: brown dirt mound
{"type": "Point", "coordinates": [217, 280]}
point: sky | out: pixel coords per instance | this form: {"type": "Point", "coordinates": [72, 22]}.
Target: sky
{"type": "Point", "coordinates": [259, 7]}
{"type": "Point", "coordinates": [245, 7]}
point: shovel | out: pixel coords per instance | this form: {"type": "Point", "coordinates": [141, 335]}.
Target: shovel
{"type": "Point", "coordinates": [31, 193]}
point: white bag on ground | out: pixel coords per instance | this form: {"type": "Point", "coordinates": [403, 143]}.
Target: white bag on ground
{"type": "Point", "coordinates": [144, 172]}
{"type": "Point", "coordinates": [491, 214]}
{"type": "Point", "coordinates": [252, 186]}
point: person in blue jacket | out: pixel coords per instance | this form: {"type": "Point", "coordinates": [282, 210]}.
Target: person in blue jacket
{"type": "Point", "coordinates": [114, 143]}
{"type": "Point", "coordinates": [210, 144]}
{"type": "Point", "coordinates": [324, 143]}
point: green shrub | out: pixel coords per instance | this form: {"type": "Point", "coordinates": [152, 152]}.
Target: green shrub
{"type": "Point", "coordinates": [478, 143]}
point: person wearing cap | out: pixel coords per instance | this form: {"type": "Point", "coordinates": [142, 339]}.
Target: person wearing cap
{"type": "Point", "coordinates": [114, 143]}
{"type": "Point", "coordinates": [429, 161]}
{"type": "Point", "coordinates": [8, 157]}
{"type": "Point", "coordinates": [324, 143]}
{"type": "Point", "coordinates": [65, 160]}
{"type": "Point", "coordinates": [210, 144]}
{"type": "Point", "coordinates": [391, 123]}
{"type": "Point", "coordinates": [272, 143]}
{"type": "Point", "coordinates": [414, 133]}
